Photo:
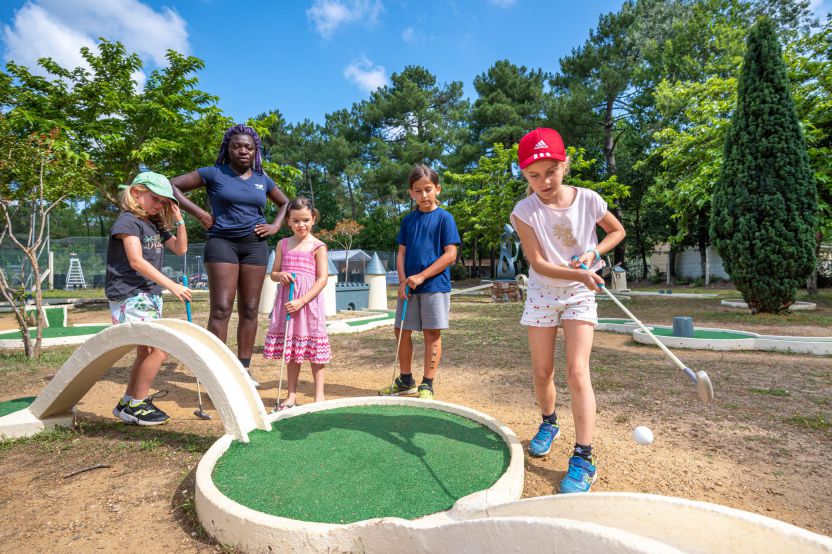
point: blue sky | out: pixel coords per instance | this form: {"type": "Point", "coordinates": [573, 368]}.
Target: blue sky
{"type": "Point", "coordinates": [312, 57]}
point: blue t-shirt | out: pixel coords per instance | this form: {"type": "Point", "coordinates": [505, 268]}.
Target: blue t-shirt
{"type": "Point", "coordinates": [122, 281]}
{"type": "Point", "coordinates": [425, 236]}
{"type": "Point", "coordinates": [236, 203]}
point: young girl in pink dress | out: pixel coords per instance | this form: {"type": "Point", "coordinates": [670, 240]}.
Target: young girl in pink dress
{"type": "Point", "coordinates": [300, 259]}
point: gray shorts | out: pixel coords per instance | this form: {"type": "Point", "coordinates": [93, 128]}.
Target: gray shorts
{"type": "Point", "coordinates": [428, 310]}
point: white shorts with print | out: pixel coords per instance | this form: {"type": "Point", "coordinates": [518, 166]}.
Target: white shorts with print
{"type": "Point", "coordinates": [547, 306]}
{"type": "Point", "coordinates": [142, 307]}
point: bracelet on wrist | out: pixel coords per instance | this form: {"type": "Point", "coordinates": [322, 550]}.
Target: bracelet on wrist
{"type": "Point", "coordinates": [180, 222]}
{"type": "Point", "coordinates": [597, 254]}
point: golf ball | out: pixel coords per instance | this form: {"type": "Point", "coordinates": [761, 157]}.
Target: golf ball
{"type": "Point", "coordinates": [643, 435]}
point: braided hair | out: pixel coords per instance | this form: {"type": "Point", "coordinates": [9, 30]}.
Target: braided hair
{"type": "Point", "coordinates": [222, 156]}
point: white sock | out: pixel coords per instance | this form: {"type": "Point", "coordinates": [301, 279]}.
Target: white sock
{"type": "Point", "coordinates": [126, 398]}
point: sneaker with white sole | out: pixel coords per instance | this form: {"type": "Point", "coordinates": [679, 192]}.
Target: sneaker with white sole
{"type": "Point", "coordinates": [398, 388]}
{"type": "Point", "coordinates": [541, 444]}
{"type": "Point", "coordinates": [144, 412]}
{"type": "Point", "coordinates": [580, 476]}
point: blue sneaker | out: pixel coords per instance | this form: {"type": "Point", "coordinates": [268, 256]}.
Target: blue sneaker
{"type": "Point", "coordinates": [580, 476]}
{"type": "Point", "coordinates": [541, 444]}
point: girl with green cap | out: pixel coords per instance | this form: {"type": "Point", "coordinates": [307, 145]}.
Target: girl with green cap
{"type": "Point", "coordinates": [134, 280]}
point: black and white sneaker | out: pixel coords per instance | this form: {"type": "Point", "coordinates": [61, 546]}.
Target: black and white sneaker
{"type": "Point", "coordinates": [145, 413]}
{"type": "Point", "coordinates": [119, 408]}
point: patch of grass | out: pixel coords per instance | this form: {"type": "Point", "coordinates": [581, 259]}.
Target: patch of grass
{"type": "Point", "coordinates": [50, 358]}
{"type": "Point", "coordinates": [816, 422]}
{"type": "Point", "coordinates": [150, 444]}
{"type": "Point", "coordinates": [621, 418]}
{"type": "Point", "coordinates": [771, 392]}
{"type": "Point", "coordinates": [51, 437]}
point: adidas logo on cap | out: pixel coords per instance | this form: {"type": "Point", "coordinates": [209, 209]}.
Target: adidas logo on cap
{"type": "Point", "coordinates": [540, 144]}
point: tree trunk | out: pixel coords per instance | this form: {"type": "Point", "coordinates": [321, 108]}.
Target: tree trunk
{"type": "Point", "coordinates": [671, 265]}
{"type": "Point", "coordinates": [493, 265]}
{"type": "Point", "coordinates": [476, 263]}
{"type": "Point", "coordinates": [812, 280]}
{"type": "Point", "coordinates": [609, 154]}
{"type": "Point", "coordinates": [352, 198]}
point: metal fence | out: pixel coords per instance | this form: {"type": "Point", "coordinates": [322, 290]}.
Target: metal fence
{"type": "Point", "coordinates": [92, 255]}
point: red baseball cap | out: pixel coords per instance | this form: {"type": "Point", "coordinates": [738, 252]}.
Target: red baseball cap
{"type": "Point", "coordinates": [540, 144]}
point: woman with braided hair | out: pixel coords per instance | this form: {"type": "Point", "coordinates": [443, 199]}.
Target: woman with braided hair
{"type": "Point", "coordinates": [236, 253]}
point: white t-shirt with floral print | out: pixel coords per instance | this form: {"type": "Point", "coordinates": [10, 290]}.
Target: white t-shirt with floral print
{"type": "Point", "coordinates": [562, 232]}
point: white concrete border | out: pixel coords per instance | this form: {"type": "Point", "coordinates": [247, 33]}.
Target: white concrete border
{"type": "Point", "coordinates": [14, 344]}
{"type": "Point", "coordinates": [688, 525]}
{"type": "Point", "coordinates": [253, 531]}
{"type": "Point", "coordinates": [796, 307]}
{"type": "Point", "coordinates": [342, 326]}
{"type": "Point", "coordinates": [821, 346]}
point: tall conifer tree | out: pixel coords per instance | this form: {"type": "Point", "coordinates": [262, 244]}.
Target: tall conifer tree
{"type": "Point", "coordinates": [765, 203]}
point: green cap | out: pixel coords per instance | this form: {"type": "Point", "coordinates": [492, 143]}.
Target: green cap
{"type": "Point", "coordinates": [155, 183]}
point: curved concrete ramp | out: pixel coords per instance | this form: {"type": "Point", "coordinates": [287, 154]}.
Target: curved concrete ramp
{"type": "Point", "coordinates": [688, 525]}
{"type": "Point", "coordinates": [219, 371]}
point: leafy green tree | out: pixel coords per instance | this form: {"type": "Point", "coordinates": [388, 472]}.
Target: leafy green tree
{"type": "Point", "coordinates": [765, 204]}
{"type": "Point", "coordinates": [510, 102]}
{"type": "Point", "coordinates": [412, 120]}
{"type": "Point", "coordinates": [170, 125]}
{"type": "Point", "coordinates": [38, 172]}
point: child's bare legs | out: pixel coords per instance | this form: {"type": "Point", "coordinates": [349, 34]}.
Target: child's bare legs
{"type": "Point", "coordinates": [405, 350]}
{"type": "Point", "coordinates": [542, 347]}
{"type": "Point", "coordinates": [318, 377]}
{"type": "Point", "coordinates": [433, 351]}
{"type": "Point", "coordinates": [578, 338]}
{"type": "Point", "coordinates": [148, 362]}
{"type": "Point", "coordinates": [292, 375]}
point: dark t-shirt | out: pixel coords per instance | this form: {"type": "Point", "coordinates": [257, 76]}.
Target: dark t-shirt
{"type": "Point", "coordinates": [123, 281]}
{"type": "Point", "coordinates": [236, 203]}
{"type": "Point", "coordinates": [425, 236]}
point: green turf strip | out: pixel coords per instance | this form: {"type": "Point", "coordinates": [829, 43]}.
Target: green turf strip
{"type": "Point", "coordinates": [11, 406]}
{"type": "Point", "coordinates": [614, 320]}
{"type": "Point", "coordinates": [54, 332]}
{"type": "Point", "coordinates": [366, 321]}
{"type": "Point", "coordinates": [700, 334]}
{"type": "Point", "coordinates": [351, 464]}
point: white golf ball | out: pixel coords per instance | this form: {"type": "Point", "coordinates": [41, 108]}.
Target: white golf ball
{"type": "Point", "coordinates": [643, 435]}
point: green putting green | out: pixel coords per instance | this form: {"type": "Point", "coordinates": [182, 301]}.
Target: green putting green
{"type": "Point", "coordinates": [11, 406]}
{"type": "Point", "coordinates": [614, 320]}
{"type": "Point", "coordinates": [704, 334]}
{"type": "Point", "coordinates": [54, 332]}
{"type": "Point", "coordinates": [388, 315]}
{"type": "Point", "coordinates": [351, 464]}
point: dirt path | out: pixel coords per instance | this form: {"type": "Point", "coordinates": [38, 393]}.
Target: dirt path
{"type": "Point", "coordinates": [756, 448]}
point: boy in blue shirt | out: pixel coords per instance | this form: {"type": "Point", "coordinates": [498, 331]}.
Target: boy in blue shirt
{"type": "Point", "coordinates": [428, 240]}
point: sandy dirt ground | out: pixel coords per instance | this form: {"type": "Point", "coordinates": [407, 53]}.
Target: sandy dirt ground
{"type": "Point", "coordinates": [762, 446]}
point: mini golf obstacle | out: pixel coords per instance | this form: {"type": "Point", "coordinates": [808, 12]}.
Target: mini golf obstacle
{"type": "Point", "coordinates": [799, 306]}
{"type": "Point", "coordinates": [711, 338]}
{"type": "Point", "coordinates": [56, 332]}
{"type": "Point", "coordinates": [472, 463]}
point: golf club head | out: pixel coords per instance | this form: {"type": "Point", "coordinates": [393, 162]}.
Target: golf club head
{"type": "Point", "coordinates": [201, 415]}
{"type": "Point", "coordinates": [704, 388]}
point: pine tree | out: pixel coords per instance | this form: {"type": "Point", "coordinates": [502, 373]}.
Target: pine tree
{"type": "Point", "coordinates": [765, 203]}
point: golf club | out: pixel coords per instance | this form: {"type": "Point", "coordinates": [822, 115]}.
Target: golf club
{"type": "Point", "coordinates": [285, 342]}
{"type": "Point", "coordinates": [198, 413]}
{"type": "Point", "coordinates": [401, 332]}
{"type": "Point", "coordinates": [704, 388]}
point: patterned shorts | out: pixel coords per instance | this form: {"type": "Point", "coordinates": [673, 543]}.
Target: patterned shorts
{"type": "Point", "coordinates": [547, 306]}
{"type": "Point", "coordinates": [142, 307]}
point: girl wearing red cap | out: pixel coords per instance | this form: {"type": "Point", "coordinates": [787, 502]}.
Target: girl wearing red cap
{"type": "Point", "coordinates": [557, 227]}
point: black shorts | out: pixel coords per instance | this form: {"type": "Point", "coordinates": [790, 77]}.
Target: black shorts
{"type": "Point", "coordinates": [249, 250]}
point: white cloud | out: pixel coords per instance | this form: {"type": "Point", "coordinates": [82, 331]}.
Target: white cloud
{"type": "Point", "coordinates": [503, 3]}
{"type": "Point", "coordinates": [408, 35]}
{"type": "Point", "coordinates": [329, 15]}
{"type": "Point", "coordinates": [58, 29]}
{"type": "Point", "coordinates": [367, 76]}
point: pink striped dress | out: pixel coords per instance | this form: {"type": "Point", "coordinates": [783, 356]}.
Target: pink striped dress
{"type": "Point", "coordinates": [307, 327]}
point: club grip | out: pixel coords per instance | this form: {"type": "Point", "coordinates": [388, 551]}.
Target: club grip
{"type": "Point", "coordinates": [187, 302]}
{"type": "Point", "coordinates": [404, 304]}
{"type": "Point", "coordinates": [291, 293]}
{"type": "Point", "coordinates": [583, 266]}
